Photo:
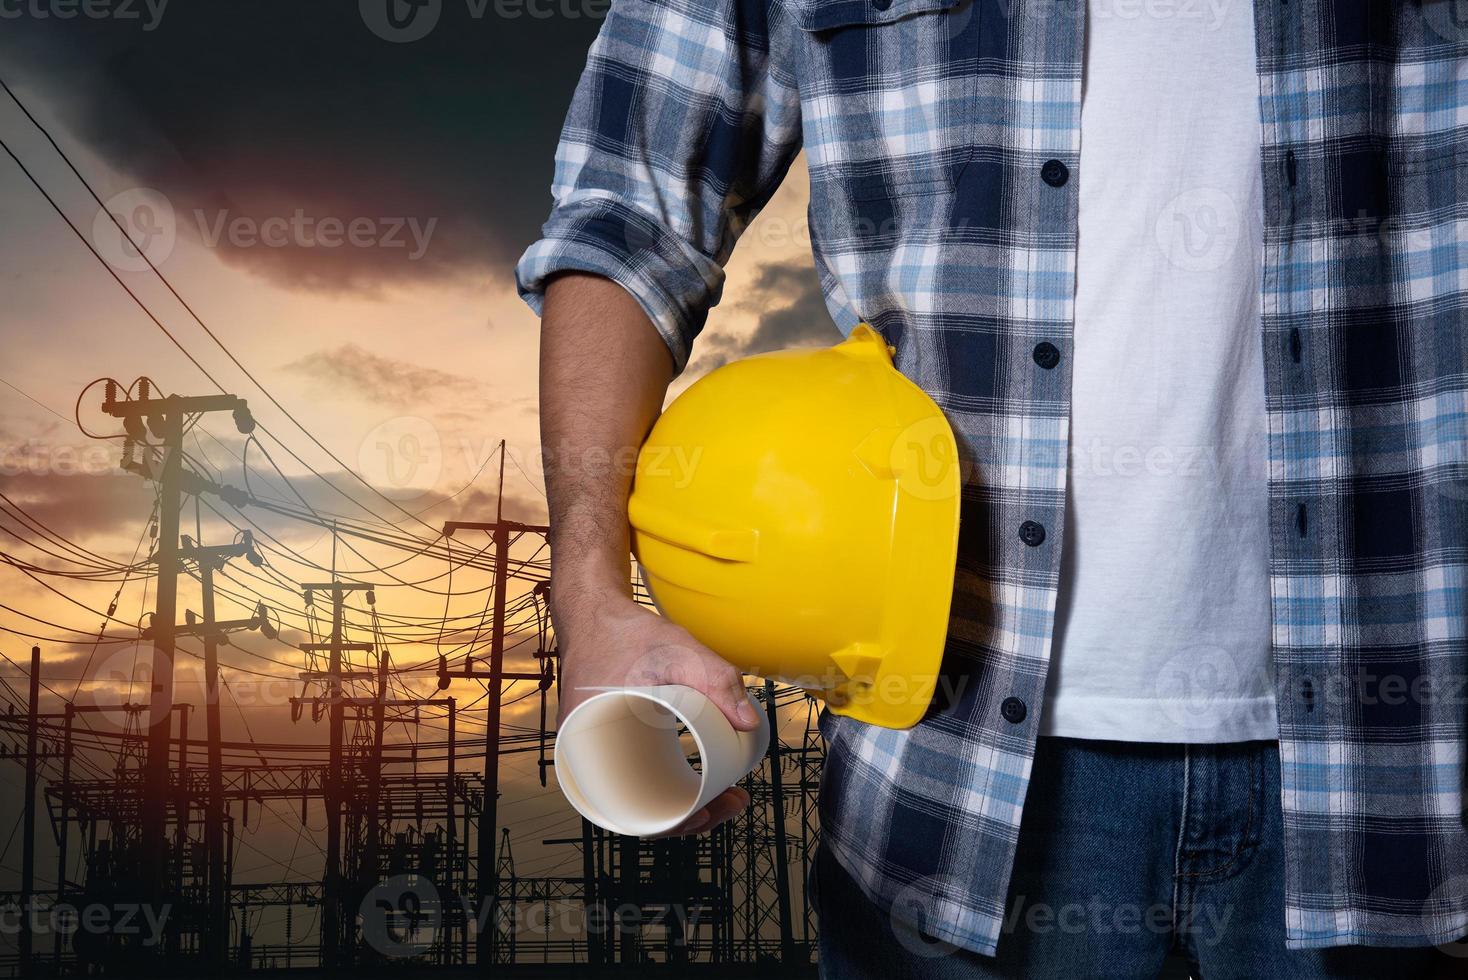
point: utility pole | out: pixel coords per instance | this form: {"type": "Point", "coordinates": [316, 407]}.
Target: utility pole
{"type": "Point", "coordinates": [777, 818]}
{"type": "Point", "coordinates": [452, 847]}
{"type": "Point", "coordinates": [208, 560]}
{"type": "Point", "coordinates": [593, 919]}
{"type": "Point", "coordinates": [160, 704]}
{"type": "Point", "coordinates": [500, 532]}
{"type": "Point", "coordinates": [181, 809]}
{"type": "Point", "coordinates": [28, 859]}
{"type": "Point", "coordinates": [163, 418]}
{"type": "Point", "coordinates": [331, 911]}
{"type": "Point", "coordinates": [489, 869]}
{"type": "Point", "coordinates": [64, 829]}
{"type": "Point", "coordinates": [216, 932]}
{"type": "Point", "coordinates": [372, 857]}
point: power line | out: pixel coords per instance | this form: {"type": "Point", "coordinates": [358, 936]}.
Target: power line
{"type": "Point", "coordinates": [197, 319]}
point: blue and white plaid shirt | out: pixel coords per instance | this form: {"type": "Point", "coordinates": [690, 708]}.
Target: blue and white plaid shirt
{"type": "Point", "coordinates": [939, 214]}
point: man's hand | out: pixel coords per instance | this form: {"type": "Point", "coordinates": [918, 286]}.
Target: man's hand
{"type": "Point", "coordinates": [629, 646]}
{"type": "Point", "coordinates": [604, 372]}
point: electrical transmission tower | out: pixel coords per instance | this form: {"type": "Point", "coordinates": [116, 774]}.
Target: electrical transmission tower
{"type": "Point", "coordinates": [416, 865]}
{"type": "Point", "coordinates": [165, 418]}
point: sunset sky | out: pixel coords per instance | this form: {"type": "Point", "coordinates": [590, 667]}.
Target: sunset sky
{"type": "Point", "coordinates": [241, 140]}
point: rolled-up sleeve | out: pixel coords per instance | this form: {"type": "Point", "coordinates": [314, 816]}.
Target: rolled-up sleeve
{"type": "Point", "coordinates": [682, 126]}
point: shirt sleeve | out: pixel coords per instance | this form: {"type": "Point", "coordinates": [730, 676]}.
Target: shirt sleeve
{"type": "Point", "coordinates": [679, 132]}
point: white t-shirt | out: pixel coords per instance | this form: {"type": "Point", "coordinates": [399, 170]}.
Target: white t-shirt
{"type": "Point", "coordinates": [1163, 624]}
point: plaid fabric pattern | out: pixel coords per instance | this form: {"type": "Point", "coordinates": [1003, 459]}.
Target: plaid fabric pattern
{"type": "Point", "coordinates": [926, 125]}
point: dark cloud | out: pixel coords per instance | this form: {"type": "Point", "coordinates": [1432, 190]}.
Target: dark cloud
{"type": "Point", "coordinates": [87, 500]}
{"type": "Point", "coordinates": [79, 502]}
{"type": "Point", "coordinates": [464, 497]}
{"type": "Point", "coordinates": [271, 108]}
{"type": "Point", "coordinates": [479, 505]}
{"type": "Point", "coordinates": [802, 321]}
{"type": "Point", "coordinates": [353, 370]}
{"type": "Point", "coordinates": [792, 313]}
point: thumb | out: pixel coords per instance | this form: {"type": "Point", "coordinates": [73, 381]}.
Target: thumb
{"type": "Point", "coordinates": [724, 686]}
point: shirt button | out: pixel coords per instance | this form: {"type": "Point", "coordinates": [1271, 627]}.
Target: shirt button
{"type": "Point", "coordinates": [1046, 354]}
{"type": "Point", "coordinates": [1013, 710]}
{"type": "Point", "coordinates": [1053, 172]}
{"type": "Point", "coordinates": [1032, 533]}
{"type": "Point", "coordinates": [881, 4]}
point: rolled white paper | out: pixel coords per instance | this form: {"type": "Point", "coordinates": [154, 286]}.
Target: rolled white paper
{"type": "Point", "coordinates": [621, 764]}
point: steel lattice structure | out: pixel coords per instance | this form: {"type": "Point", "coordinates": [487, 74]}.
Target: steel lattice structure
{"type": "Point", "coordinates": [418, 866]}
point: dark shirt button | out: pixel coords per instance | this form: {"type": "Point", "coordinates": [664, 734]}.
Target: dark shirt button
{"type": "Point", "coordinates": [1054, 172]}
{"type": "Point", "coordinates": [1013, 710]}
{"type": "Point", "coordinates": [1047, 355]}
{"type": "Point", "coordinates": [1032, 534]}
{"type": "Point", "coordinates": [881, 4]}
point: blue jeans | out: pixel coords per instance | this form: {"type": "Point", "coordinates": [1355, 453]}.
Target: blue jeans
{"type": "Point", "coordinates": [1135, 861]}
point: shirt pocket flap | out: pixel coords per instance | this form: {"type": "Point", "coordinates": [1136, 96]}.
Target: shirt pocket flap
{"type": "Point", "coordinates": [826, 15]}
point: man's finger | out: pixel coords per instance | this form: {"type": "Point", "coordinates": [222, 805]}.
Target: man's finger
{"type": "Point", "coordinates": [693, 825]}
{"type": "Point", "coordinates": [724, 686]}
{"type": "Point", "coordinates": [726, 806]}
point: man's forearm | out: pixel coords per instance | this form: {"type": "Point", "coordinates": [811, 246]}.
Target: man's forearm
{"type": "Point", "coordinates": [604, 371]}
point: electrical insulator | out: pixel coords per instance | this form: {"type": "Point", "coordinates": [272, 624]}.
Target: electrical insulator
{"type": "Point", "coordinates": [244, 422]}
{"type": "Point", "coordinates": [109, 392]}
{"type": "Point", "coordinates": [267, 628]}
{"type": "Point", "coordinates": [143, 387]}
{"type": "Point", "coordinates": [129, 448]}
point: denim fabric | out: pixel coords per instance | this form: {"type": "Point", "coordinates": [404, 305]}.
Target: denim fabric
{"type": "Point", "coordinates": [1134, 861]}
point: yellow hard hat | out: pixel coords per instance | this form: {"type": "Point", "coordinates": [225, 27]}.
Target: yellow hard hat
{"type": "Point", "coordinates": [797, 512]}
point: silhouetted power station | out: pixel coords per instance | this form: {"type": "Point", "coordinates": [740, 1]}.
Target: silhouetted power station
{"type": "Point", "coordinates": [139, 852]}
